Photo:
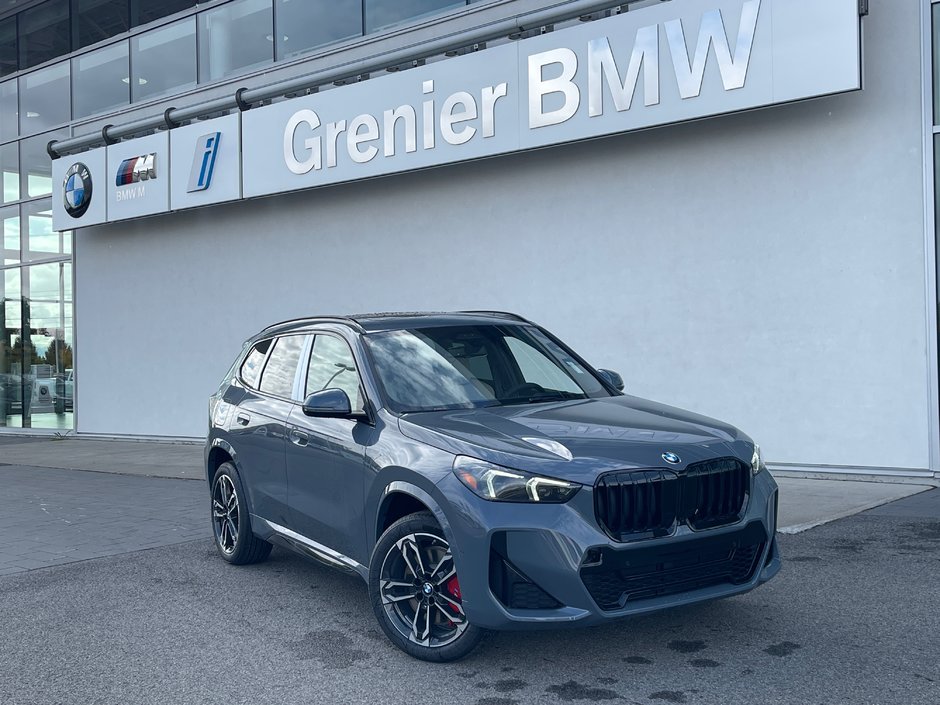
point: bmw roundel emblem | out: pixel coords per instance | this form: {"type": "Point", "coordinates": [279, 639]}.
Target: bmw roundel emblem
{"type": "Point", "coordinates": [672, 458]}
{"type": "Point", "coordinates": [77, 190]}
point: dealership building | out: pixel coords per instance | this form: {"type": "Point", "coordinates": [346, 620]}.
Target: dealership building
{"type": "Point", "coordinates": [730, 202]}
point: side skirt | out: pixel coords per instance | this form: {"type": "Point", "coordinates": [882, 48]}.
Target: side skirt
{"type": "Point", "coordinates": [281, 535]}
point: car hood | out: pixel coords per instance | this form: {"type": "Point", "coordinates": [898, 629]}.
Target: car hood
{"type": "Point", "coordinates": [611, 433]}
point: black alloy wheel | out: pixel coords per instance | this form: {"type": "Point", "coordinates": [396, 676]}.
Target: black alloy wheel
{"type": "Point", "coordinates": [231, 524]}
{"type": "Point", "coordinates": [416, 594]}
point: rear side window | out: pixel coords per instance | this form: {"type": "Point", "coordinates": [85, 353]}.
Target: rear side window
{"type": "Point", "coordinates": [251, 367]}
{"type": "Point", "coordinates": [278, 377]}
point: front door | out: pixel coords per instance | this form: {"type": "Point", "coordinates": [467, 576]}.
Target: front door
{"type": "Point", "coordinates": [325, 463]}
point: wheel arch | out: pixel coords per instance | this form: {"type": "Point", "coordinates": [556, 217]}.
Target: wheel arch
{"type": "Point", "coordinates": [401, 498]}
{"type": "Point", "coordinates": [220, 451]}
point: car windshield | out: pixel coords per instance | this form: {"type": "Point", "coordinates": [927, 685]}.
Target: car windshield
{"type": "Point", "coordinates": [474, 366]}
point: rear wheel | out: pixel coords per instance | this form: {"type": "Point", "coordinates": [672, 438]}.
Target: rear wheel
{"type": "Point", "coordinates": [231, 525]}
{"type": "Point", "coordinates": [415, 592]}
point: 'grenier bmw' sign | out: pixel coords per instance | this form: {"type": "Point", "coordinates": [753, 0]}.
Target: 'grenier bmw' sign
{"type": "Point", "coordinates": [664, 64]}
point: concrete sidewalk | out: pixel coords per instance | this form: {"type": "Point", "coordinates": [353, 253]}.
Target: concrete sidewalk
{"type": "Point", "coordinates": [804, 503]}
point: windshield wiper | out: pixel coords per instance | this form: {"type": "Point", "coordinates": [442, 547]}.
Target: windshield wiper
{"type": "Point", "coordinates": [545, 397]}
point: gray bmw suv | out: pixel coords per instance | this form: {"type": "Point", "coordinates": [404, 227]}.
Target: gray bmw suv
{"type": "Point", "coordinates": [478, 474]}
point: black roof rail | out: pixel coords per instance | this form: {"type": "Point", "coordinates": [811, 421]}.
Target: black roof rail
{"type": "Point", "coordinates": [346, 320]}
{"type": "Point", "coordinates": [514, 316]}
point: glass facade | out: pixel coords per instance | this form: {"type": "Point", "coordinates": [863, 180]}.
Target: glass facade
{"type": "Point", "coordinates": [65, 60]}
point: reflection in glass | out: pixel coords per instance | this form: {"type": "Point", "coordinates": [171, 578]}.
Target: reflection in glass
{"type": "Point", "coordinates": [35, 164]}
{"type": "Point", "coordinates": [382, 13]}
{"type": "Point", "coordinates": [10, 166]}
{"type": "Point", "coordinates": [96, 20]}
{"type": "Point", "coordinates": [36, 337]}
{"type": "Point", "coordinates": [9, 111]}
{"type": "Point", "coordinates": [302, 26]}
{"type": "Point", "coordinates": [44, 98]}
{"type": "Point", "coordinates": [144, 11]}
{"type": "Point", "coordinates": [10, 216]}
{"type": "Point", "coordinates": [235, 37]}
{"type": "Point", "coordinates": [41, 241]}
{"type": "Point", "coordinates": [8, 59]}
{"type": "Point", "coordinates": [101, 80]}
{"type": "Point", "coordinates": [44, 33]}
{"type": "Point", "coordinates": [163, 60]}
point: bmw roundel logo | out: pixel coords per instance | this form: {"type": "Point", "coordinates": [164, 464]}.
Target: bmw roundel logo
{"type": "Point", "coordinates": [672, 458]}
{"type": "Point", "coordinates": [77, 190]}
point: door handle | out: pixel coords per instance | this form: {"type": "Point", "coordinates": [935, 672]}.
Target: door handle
{"type": "Point", "coordinates": [243, 419]}
{"type": "Point", "coordinates": [298, 438]}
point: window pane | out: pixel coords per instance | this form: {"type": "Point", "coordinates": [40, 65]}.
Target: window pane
{"type": "Point", "coordinates": [11, 234]}
{"type": "Point", "coordinates": [251, 367]}
{"type": "Point", "coordinates": [235, 38]}
{"type": "Point", "coordinates": [382, 13]}
{"type": "Point", "coordinates": [46, 356]}
{"type": "Point", "coordinates": [301, 26]}
{"type": "Point", "coordinates": [100, 19]}
{"type": "Point", "coordinates": [35, 164]}
{"type": "Point", "coordinates": [44, 99]}
{"type": "Point", "coordinates": [9, 111]}
{"type": "Point", "coordinates": [8, 57]}
{"type": "Point", "coordinates": [10, 165]}
{"type": "Point", "coordinates": [936, 64]}
{"type": "Point", "coordinates": [163, 60]}
{"type": "Point", "coordinates": [144, 11]}
{"type": "Point", "coordinates": [278, 377]}
{"type": "Point", "coordinates": [41, 241]}
{"type": "Point", "coordinates": [332, 366]}
{"type": "Point", "coordinates": [45, 33]}
{"type": "Point", "coordinates": [101, 80]}
{"type": "Point", "coordinates": [11, 327]}
{"type": "Point", "coordinates": [538, 368]}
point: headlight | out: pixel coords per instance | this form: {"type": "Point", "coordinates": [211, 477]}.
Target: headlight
{"type": "Point", "coordinates": [500, 484]}
{"type": "Point", "coordinates": [757, 464]}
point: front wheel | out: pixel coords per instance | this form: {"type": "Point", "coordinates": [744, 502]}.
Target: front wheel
{"type": "Point", "coordinates": [415, 592]}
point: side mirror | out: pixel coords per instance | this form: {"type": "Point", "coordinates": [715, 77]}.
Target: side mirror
{"type": "Point", "coordinates": [612, 378]}
{"type": "Point", "coordinates": [328, 403]}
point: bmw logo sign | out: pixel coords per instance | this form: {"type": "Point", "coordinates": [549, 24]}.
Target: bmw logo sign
{"type": "Point", "coordinates": [77, 188]}
{"type": "Point", "coordinates": [672, 458]}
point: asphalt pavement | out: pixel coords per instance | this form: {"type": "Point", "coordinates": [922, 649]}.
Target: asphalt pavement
{"type": "Point", "coordinates": [851, 619]}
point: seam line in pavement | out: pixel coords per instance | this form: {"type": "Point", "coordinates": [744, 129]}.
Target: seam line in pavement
{"type": "Point", "coordinates": [102, 472]}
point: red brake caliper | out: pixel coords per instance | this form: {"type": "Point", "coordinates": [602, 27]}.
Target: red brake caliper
{"type": "Point", "coordinates": [453, 587]}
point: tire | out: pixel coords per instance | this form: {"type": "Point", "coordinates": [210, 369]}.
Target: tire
{"type": "Point", "coordinates": [415, 594]}
{"type": "Point", "coordinates": [231, 525]}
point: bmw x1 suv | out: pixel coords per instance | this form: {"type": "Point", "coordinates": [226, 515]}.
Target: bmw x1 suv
{"type": "Point", "coordinates": [478, 474]}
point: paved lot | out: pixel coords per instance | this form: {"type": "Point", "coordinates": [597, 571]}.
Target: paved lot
{"type": "Point", "coordinates": [852, 619]}
{"type": "Point", "coordinates": [50, 517]}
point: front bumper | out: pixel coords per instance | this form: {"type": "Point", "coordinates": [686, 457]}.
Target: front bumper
{"type": "Point", "coordinates": [582, 576]}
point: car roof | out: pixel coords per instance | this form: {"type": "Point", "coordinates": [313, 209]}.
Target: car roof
{"type": "Point", "coordinates": [375, 322]}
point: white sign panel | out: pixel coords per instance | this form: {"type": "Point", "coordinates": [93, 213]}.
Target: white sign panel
{"type": "Point", "coordinates": [664, 64]}
{"type": "Point", "coordinates": [81, 183]}
{"type": "Point", "coordinates": [139, 177]}
{"type": "Point", "coordinates": [205, 163]}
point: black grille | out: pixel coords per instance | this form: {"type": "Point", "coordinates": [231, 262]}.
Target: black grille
{"type": "Point", "coordinates": [717, 490]}
{"type": "Point", "coordinates": [637, 504]}
{"type": "Point", "coordinates": [623, 576]}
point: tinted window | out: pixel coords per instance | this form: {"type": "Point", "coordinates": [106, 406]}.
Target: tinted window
{"type": "Point", "coordinates": [8, 59]}
{"type": "Point", "coordinates": [301, 26]}
{"type": "Point", "coordinates": [235, 38]}
{"type": "Point", "coordinates": [251, 367]}
{"type": "Point", "coordinates": [100, 80]}
{"type": "Point", "coordinates": [144, 11]}
{"type": "Point", "coordinates": [45, 33]}
{"type": "Point", "coordinates": [44, 98]}
{"type": "Point", "coordinates": [99, 19]}
{"type": "Point", "coordinates": [163, 60]}
{"type": "Point", "coordinates": [278, 377]}
{"type": "Point", "coordinates": [332, 366]}
{"type": "Point", "coordinates": [9, 111]}
{"type": "Point", "coordinates": [382, 13]}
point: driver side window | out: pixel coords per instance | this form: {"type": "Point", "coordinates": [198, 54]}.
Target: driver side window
{"type": "Point", "coordinates": [332, 366]}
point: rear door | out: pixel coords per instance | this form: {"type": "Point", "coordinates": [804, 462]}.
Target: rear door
{"type": "Point", "coordinates": [258, 425]}
{"type": "Point", "coordinates": [325, 457]}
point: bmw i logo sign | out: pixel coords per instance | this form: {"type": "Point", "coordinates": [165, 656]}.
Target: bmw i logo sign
{"type": "Point", "coordinates": [672, 458]}
{"type": "Point", "coordinates": [77, 188]}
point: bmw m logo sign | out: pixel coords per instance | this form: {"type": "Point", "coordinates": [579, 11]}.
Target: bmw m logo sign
{"type": "Point", "coordinates": [77, 188]}
{"type": "Point", "coordinates": [136, 169]}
